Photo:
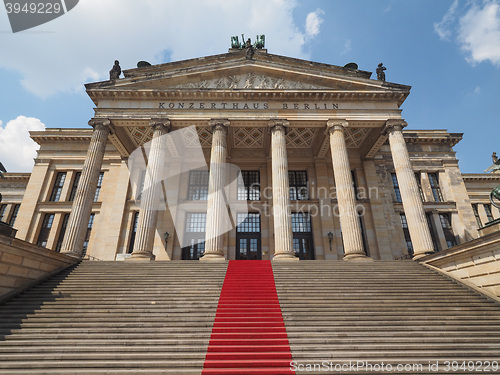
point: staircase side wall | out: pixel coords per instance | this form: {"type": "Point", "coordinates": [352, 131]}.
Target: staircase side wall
{"type": "Point", "coordinates": [23, 264]}
{"type": "Point", "coordinates": [475, 263]}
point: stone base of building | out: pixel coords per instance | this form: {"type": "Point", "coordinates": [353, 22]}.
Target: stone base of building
{"type": "Point", "coordinates": [141, 256]}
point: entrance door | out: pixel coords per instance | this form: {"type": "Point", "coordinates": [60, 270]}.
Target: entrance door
{"type": "Point", "coordinates": [248, 242]}
{"type": "Point", "coordinates": [302, 246]}
{"type": "Point", "coordinates": [195, 250]}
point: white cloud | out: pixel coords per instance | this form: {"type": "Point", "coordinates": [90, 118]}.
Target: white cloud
{"type": "Point", "coordinates": [347, 47]}
{"type": "Point", "coordinates": [444, 27]}
{"type": "Point", "coordinates": [82, 45]}
{"type": "Point", "coordinates": [17, 149]}
{"type": "Point", "coordinates": [479, 33]}
{"type": "Point", "coordinates": [313, 23]}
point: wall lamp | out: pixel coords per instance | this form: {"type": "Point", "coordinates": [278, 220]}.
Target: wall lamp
{"type": "Point", "coordinates": [330, 238]}
{"type": "Point", "coordinates": [165, 237]}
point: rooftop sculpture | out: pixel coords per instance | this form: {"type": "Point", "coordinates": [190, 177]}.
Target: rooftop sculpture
{"type": "Point", "coordinates": [496, 164]}
{"type": "Point", "coordinates": [115, 71]}
{"type": "Point", "coordinates": [260, 41]}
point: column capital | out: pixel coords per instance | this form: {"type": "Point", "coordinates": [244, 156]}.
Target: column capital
{"type": "Point", "coordinates": [160, 124]}
{"type": "Point", "coordinates": [280, 124]}
{"type": "Point", "coordinates": [101, 124]}
{"type": "Point", "coordinates": [394, 124]}
{"type": "Point", "coordinates": [219, 124]}
{"type": "Point", "coordinates": [334, 124]}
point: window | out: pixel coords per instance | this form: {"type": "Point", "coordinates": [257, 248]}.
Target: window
{"type": "Point", "coordinates": [13, 216]}
{"type": "Point", "coordinates": [140, 186]}
{"type": "Point", "coordinates": [249, 223]}
{"type": "Point", "coordinates": [58, 186]}
{"type": "Point", "coordinates": [60, 239]}
{"type": "Point", "coordinates": [43, 236]}
{"type": "Point", "coordinates": [99, 185]}
{"type": "Point", "coordinates": [418, 177]}
{"type": "Point", "coordinates": [487, 209]}
{"type": "Point", "coordinates": [196, 224]}
{"type": "Point", "coordinates": [406, 232]}
{"type": "Point", "coordinates": [76, 180]}
{"type": "Point", "coordinates": [436, 190]}
{"type": "Point", "coordinates": [447, 229]}
{"type": "Point", "coordinates": [3, 209]}
{"type": "Point", "coordinates": [363, 234]}
{"type": "Point", "coordinates": [87, 235]}
{"type": "Point", "coordinates": [432, 230]}
{"type": "Point", "coordinates": [298, 185]}
{"type": "Point", "coordinates": [476, 214]}
{"type": "Point", "coordinates": [198, 185]}
{"type": "Point", "coordinates": [355, 184]}
{"type": "Point", "coordinates": [250, 190]}
{"type": "Point", "coordinates": [135, 220]}
{"type": "Point", "coordinates": [395, 184]}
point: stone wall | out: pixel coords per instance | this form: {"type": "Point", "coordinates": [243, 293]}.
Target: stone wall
{"type": "Point", "coordinates": [23, 264]}
{"type": "Point", "coordinates": [475, 263]}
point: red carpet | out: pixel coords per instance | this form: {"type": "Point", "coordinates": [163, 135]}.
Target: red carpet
{"type": "Point", "coordinates": [249, 335]}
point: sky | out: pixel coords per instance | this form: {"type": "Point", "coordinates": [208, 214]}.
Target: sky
{"type": "Point", "coordinates": [447, 50]}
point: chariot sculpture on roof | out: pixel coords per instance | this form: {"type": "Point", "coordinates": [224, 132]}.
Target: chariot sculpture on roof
{"type": "Point", "coordinates": [260, 41]}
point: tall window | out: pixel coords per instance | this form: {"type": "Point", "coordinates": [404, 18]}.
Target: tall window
{"type": "Point", "coordinates": [436, 190]}
{"type": "Point", "coordinates": [249, 186]}
{"type": "Point", "coordinates": [355, 184]}
{"type": "Point", "coordinates": [447, 229]}
{"type": "Point", "coordinates": [196, 226]}
{"type": "Point", "coordinates": [140, 186]}
{"type": "Point", "coordinates": [58, 186]}
{"type": "Point", "coordinates": [13, 216]}
{"type": "Point", "coordinates": [406, 232]}
{"type": "Point", "coordinates": [418, 177]}
{"type": "Point", "coordinates": [198, 185]}
{"type": "Point", "coordinates": [99, 186]}
{"type": "Point", "coordinates": [298, 185]}
{"type": "Point", "coordinates": [395, 184]}
{"type": "Point", "coordinates": [476, 214]}
{"type": "Point", "coordinates": [62, 233]}
{"type": "Point", "coordinates": [432, 230]}
{"type": "Point", "coordinates": [76, 180]}
{"type": "Point", "coordinates": [3, 209]}
{"type": "Point", "coordinates": [363, 234]}
{"type": "Point", "coordinates": [43, 237]}
{"type": "Point", "coordinates": [249, 223]}
{"type": "Point", "coordinates": [487, 209]}
{"type": "Point", "coordinates": [135, 220]}
{"type": "Point", "coordinates": [87, 235]}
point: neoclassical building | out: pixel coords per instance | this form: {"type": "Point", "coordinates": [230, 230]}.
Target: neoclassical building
{"type": "Point", "coordinates": [321, 164]}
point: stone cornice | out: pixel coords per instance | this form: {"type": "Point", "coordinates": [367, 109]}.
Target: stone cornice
{"type": "Point", "coordinates": [61, 135]}
{"type": "Point", "coordinates": [16, 177]}
{"type": "Point", "coordinates": [481, 176]}
{"type": "Point", "coordinates": [432, 136]}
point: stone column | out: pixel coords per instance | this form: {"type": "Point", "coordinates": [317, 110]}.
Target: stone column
{"type": "Point", "coordinates": [283, 234]}
{"type": "Point", "coordinates": [410, 195]}
{"type": "Point", "coordinates": [216, 204]}
{"type": "Point", "coordinates": [349, 219]}
{"type": "Point", "coordinates": [84, 197]}
{"type": "Point", "coordinates": [148, 213]}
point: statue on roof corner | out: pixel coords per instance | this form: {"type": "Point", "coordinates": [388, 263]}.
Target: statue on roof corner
{"type": "Point", "coordinates": [2, 170]}
{"type": "Point", "coordinates": [495, 167]}
{"type": "Point", "coordinates": [380, 72]}
{"type": "Point", "coordinates": [115, 71]}
{"type": "Point", "coordinates": [250, 50]}
{"type": "Point", "coordinates": [260, 42]}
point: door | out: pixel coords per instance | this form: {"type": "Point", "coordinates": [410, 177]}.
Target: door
{"type": "Point", "coordinates": [303, 246]}
{"type": "Point", "coordinates": [248, 242]}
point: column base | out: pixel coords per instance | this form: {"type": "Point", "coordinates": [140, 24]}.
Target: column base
{"type": "Point", "coordinates": [421, 255]}
{"type": "Point", "coordinates": [72, 254]}
{"type": "Point", "coordinates": [287, 257]}
{"type": "Point", "coordinates": [141, 256]}
{"type": "Point", "coordinates": [213, 257]}
{"type": "Point", "coordinates": [357, 256]}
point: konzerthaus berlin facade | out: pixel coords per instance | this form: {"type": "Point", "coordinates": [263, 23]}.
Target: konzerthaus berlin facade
{"type": "Point", "coordinates": [326, 168]}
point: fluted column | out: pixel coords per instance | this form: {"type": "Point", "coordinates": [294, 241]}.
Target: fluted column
{"type": "Point", "coordinates": [148, 213]}
{"type": "Point", "coordinates": [283, 235]}
{"type": "Point", "coordinates": [216, 202]}
{"type": "Point", "coordinates": [346, 198]}
{"type": "Point", "coordinates": [84, 197]}
{"type": "Point", "coordinates": [410, 195]}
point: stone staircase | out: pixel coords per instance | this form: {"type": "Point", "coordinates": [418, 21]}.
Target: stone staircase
{"type": "Point", "coordinates": [113, 318]}
{"type": "Point", "coordinates": [398, 313]}
{"type": "Point", "coordinates": [157, 318]}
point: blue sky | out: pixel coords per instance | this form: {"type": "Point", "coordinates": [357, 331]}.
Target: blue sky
{"type": "Point", "coordinates": [447, 50]}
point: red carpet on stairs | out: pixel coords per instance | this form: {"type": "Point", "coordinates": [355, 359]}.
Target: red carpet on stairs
{"type": "Point", "coordinates": [248, 336]}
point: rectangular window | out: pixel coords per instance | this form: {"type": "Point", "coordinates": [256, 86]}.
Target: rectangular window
{"type": "Point", "coordinates": [58, 186]}
{"type": "Point", "coordinates": [87, 235]}
{"type": "Point", "coordinates": [13, 216]}
{"type": "Point", "coordinates": [447, 229]}
{"type": "Point", "coordinates": [363, 234]}
{"type": "Point", "coordinates": [406, 232]}
{"type": "Point", "coordinates": [395, 184]}
{"type": "Point", "coordinates": [99, 186]}
{"type": "Point", "coordinates": [135, 220]}
{"type": "Point", "coordinates": [355, 184]}
{"type": "Point", "coordinates": [487, 209]}
{"type": "Point", "coordinates": [196, 222]}
{"type": "Point", "coordinates": [301, 222]}
{"type": "Point", "coordinates": [3, 209]}
{"type": "Point", "coordinates": [476, 214]}
{"type": "Point", "coordinates": [432, 230]}
{"type": "Point", "coordinates": [140, 187]}
{"type": "Point", "coordinates": [298, 185]}
{"type": "Point", "coordinates": [43, 236]}
{"type": "Point", "coordinates": [436, 190]}
{"type": "Point", "coordinates": [249, 223]}
{"type": "Point", "coordinates": [418, 177]}
{"type": "Point", "coordinates": [76, 180]}
{"type": "Point", "coordinates": [198, 185]}
{"type": "Point", "coordinates": [62, 233]}
{"type": "Point", "coordinates": [249, 186]}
